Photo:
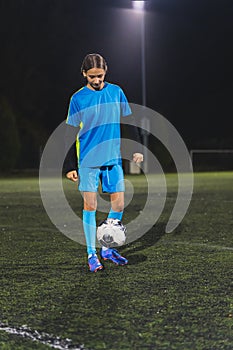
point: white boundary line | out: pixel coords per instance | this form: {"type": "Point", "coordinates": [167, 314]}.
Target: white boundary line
{"type": "Point", "coordinates": [56, 342]}
{"type": "Point", "coordinates": [42, 338]}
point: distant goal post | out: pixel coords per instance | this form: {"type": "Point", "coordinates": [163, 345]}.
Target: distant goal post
{"type": "Point", "coordinates": [212, 159]}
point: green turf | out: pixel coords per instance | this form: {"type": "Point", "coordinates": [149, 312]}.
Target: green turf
{"type": "Point", "coordinates": [176, 292]}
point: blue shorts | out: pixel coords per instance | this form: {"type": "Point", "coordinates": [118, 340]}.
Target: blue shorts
{"type": "Point", "coordinates": [111, 178]}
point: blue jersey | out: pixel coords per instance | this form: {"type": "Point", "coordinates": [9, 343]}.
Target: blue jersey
{"type": "Point", "coordinates": [97, 113]}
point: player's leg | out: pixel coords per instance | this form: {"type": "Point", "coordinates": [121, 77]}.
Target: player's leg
{"type": "Point", "coordinates": [117, 205]}
{"type": "Point", "coordinates": [112, 179]}
{"type": "Point", "coordinates": [89, 226]}
{"type": "Point", "coordinates": [89, 220]}
{"type": "Point", "coordinates": [88, 184]}
{"type": "Point", "coordinates": [113, 182]}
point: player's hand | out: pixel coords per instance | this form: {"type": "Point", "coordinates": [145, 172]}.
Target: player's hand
{"type": "Point", "coordinates": [72, 175]}
{"type": "Point", "coordinates": [138, 158]}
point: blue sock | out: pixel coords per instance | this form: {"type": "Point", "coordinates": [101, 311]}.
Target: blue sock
{"type": "Point", "coordinates": [115, 214]}
{"type": "Point", "coordinates": [89, 226]}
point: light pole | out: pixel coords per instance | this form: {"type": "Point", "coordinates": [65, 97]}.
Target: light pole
{"type": "Point", "coordinates": [139, 8]}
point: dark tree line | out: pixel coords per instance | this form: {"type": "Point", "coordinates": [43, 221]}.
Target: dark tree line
{"type": "Point", "coordinates": [33, 84]}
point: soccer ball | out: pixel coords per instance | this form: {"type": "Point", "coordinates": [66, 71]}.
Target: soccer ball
{"type": "Point", "coordinates": [111, 233]}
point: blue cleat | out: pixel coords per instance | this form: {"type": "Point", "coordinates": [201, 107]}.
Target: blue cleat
{"type": "Point", "coordinates": [114, 256]}
{"type": "Point", "coordinates": [94, 263]}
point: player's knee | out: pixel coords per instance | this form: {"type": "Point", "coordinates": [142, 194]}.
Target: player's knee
{"type": "Point", "coordinates": [90, 205]}
{"type": "Point", "coordinates": [119, 206]}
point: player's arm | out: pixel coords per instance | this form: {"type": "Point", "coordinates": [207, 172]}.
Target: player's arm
{"type": "Point", "coordinates": [70, 166]}
{"type": "Point", "coordinates": [133, 133]}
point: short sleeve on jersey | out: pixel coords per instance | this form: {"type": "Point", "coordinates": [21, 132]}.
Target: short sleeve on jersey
{"type": "Point", "coordinates": [125, 108]}
{"type": "Point", "coordinates": [73, 117]}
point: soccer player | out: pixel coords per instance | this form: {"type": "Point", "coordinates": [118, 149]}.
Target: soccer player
{"type": "Point", "coordinates": [96, 110]}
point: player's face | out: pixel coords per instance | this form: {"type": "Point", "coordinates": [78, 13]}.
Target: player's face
{"type": "Point", "coordinates": [95, 78]}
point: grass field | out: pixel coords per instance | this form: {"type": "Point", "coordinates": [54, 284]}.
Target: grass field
{"type": "Point", "coordinates": [175, 294]}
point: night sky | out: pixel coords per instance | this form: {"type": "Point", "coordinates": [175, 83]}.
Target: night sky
{"type": "Point", "coordinates": [189, 62]}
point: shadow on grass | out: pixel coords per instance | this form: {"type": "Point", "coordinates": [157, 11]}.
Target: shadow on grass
{"type": "Point", "coordinates": [147, 240]}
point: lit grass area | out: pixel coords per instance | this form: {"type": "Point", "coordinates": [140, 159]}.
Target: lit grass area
{"type": "Point", "coordinates": [176, 292]}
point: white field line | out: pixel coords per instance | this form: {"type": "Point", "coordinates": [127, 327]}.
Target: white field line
{"type": "Point", "coordinates": [206, 245]}
{"type": "Point", "coordinates": [47, 339]}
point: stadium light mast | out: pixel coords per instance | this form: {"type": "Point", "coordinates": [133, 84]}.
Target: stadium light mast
{"type": "Point", "coordinates": [139, 7]}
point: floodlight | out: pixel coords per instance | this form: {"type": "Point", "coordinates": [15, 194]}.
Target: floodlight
{"type": "Point", "coordinates": [138, 5]}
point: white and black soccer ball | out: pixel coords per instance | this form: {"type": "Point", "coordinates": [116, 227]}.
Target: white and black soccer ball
{"type": "Point", "coordinates": [111, 233]}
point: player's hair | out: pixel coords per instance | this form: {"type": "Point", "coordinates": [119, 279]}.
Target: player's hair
{"type": "Point", "coordinates": [93, 60]}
